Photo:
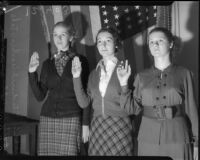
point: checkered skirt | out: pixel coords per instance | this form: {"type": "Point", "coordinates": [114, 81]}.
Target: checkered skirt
{"type": "Point", "coordinates": [59, 136]}
{"type": "Point", "coordinates": [111, 136]}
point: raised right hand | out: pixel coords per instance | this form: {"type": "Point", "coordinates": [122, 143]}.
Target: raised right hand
{"type": "Point", "coordinates": [34, 62]}
{"type": "Point", "coordinates": [76, 67]}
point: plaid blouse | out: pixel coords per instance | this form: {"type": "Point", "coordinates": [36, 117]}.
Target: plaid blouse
{"type": "Point", "coordinates": [60, 62]}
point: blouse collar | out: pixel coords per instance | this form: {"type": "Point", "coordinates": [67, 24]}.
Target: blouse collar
{"type": "Point", "coordinates": [168, 69]}
{"type": "Point", "coordinates": [112, 60]}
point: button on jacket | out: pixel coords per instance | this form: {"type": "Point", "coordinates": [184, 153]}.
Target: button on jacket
{"type": "Point", "coordinates": [171, 87]}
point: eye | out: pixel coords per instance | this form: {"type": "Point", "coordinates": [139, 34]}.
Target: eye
{"type": "Point", "coordinates": [151, 43]}
{"type": "Point", "coordinates": [55, 35]}
{"type": "Point", "coordinates": [63, 34]}
{"type": "Point", "coordinates": [99, 42]}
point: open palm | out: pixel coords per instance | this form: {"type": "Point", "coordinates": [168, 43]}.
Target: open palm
{"type": "Point", "coordinates": [76, 67]}
{"type": "Point", "coordinates": [123, 73]}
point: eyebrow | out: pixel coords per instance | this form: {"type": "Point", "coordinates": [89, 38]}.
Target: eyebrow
{"type": "Point", "coordinates": [106, 37]}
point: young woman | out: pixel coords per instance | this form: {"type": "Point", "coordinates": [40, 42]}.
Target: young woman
{"type": "Point", "coordinates": [60, 118]}
{"type": "Point", "coordinates": [110, 128]}
{"type": "Point", "coordinates": [165, 92]}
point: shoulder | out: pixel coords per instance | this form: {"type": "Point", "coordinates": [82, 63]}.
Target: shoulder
{"type": "Point", "coordinates": [183, 71]}
{"type": "Point", "coordinates": [47, 62]}
{"type": "Point", "coordinates": [145, 72]}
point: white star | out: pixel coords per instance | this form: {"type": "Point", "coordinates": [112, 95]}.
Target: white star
{"type": "Point", "coordinates": [115, 8]}
{"type": "Point", "coordinates": [140, 21]}
{"type": "Point", "coordinates": [103, 6]}
{"type": "Point", "coordinates": [128, 18]}
{"type": "Point", "coordinates": [117, 16]}
{"type": "Point", "coordinates": [106, 20]}
{"type": "Point", "coordinates": [137, 7]}
{"type": "Point", "coordinates": [129, 26]}
{"type": "Point", "coordinates": [117, 23]}
{"type": "Point", "coordinates": [154, 7]}
{"type": "Point", "coordinates": [147, 17]}
{"type": "Point", "coordinates": [126, 10]}
{"type": "Point", "coordinates": [139, 13]}
{"type": "Point", "coordinates": [154, 14]}
{"type": "Point", "coordinates": [105, 13]}
{"type": "Point", "coordinates": [119, 31]}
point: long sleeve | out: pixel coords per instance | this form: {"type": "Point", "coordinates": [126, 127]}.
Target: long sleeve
{"type": "Point", "coordinates": [127, 101]}
{"type": "Point", "coordinates": [130, 100]}
{"type": "Point", "coordinates": [84, 79]}
{"type": "Point", "coordinates": [137, 98]}
{"type": "Point", "coordinates": [190, 104]}
{"type": "Point", "coordinates": [82, 97]}
{"type": "Point", "coordinates": [38, 87]}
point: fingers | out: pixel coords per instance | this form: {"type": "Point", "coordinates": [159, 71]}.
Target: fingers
{"type": "Point", "coordinates": [34, 57]}
{"type": "Point", "coordinates": [76, 62]}
{"type": "Point", "coordinates": [123, 66]}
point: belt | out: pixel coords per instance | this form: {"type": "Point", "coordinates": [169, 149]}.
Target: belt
{"type": "Point", "coordinates": [163, 112]}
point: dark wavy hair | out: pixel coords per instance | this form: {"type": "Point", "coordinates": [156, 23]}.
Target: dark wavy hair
{"type": "Point", "coordinates": [171, 39]}
{"type": "Point", "coordinates": [115, 35]}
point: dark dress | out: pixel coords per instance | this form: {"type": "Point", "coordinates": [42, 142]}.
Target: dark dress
{"type": "Point", "coordinates": [168, 131]}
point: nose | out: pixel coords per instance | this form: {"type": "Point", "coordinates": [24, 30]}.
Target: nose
{"type": "Point", "coordinates": [59, 37]}
{"type": "Point", "coordinates": [104, 44]}
{"type": "Point", "coordinates": [156, 43]}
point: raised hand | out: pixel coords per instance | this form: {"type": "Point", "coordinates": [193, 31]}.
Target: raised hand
{"type": "Point", "coordinates": [123, 73]}
{"type": "Point", "coordinates": [76, 67]}
{"type": "Point", "coordinates": [34, 62]}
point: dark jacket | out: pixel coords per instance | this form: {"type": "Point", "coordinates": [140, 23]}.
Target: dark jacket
{"type": "Point", "coordinates": [61, 100]}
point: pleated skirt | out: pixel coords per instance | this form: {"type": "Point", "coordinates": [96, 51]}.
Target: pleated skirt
{"type": "Point", "coordinates": [111, 136]}
{"type": "Point", "coordinates": [59, 136]}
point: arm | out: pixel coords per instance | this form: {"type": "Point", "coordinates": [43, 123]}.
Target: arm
{"type": "Point", "coordinates": [190, 105]}
{"type": "Point", "coordinates": [82, 96]}
{"type": "Point", "coordinates": [38, 87]}
{"type": "Point", "coordinates": [126, 98]}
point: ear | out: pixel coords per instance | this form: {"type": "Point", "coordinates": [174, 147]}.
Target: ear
{"type": "Point", "coordinates": [171, 45]}
{"type": "Point", "coordinates": [71, 38]}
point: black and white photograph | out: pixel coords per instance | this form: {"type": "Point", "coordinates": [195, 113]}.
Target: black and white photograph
{"type": "Point", "coordinates": [100, 79]}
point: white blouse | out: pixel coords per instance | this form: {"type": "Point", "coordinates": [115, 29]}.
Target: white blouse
{"type": "Point", "coordinates": [105, 75]}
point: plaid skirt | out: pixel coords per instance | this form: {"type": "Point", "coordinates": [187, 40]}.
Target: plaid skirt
{"type": "Point", "coordinates": [111, 136]}
{"type": "Point", "coordinates": [59, 136]}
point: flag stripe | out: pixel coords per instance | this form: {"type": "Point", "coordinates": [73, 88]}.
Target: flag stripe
{"type": "Point", "coordinates": [90, 50]}
{"type": "Point", "coordinates": [95, 20]}
{"type": "Point", "coordinates": [76, 19]}
{"type": "Point", "coordinates": [46, 28]}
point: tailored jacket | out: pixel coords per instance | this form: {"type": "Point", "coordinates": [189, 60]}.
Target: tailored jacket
{"type": "Point", "coordinates": [171, 87]}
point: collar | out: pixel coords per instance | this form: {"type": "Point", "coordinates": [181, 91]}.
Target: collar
{"type": "Point", "coordinates": [168, 69]}
{"type": "Point", "coordinates": [101, 62]}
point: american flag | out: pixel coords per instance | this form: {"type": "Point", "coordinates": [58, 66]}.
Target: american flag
{"type": "Point", "coordinates": [128, 20]}
{"type": "Point", "coordinates": [131, 22]}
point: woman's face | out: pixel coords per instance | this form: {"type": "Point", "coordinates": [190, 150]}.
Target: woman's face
{"type": "Point", "coordinates": [106, 44]}
{"type": "Point", "coordinates": [61, 37]}
{"type": "Point", "coordinates": [159, 45]}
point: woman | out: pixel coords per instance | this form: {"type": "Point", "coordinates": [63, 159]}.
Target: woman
{"type": "Point", "coordinates": [165, 92]}
{"type": "Point", "coordinates": [110, 129]}
{"type": "Point", "coordinates": [60, 118]}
